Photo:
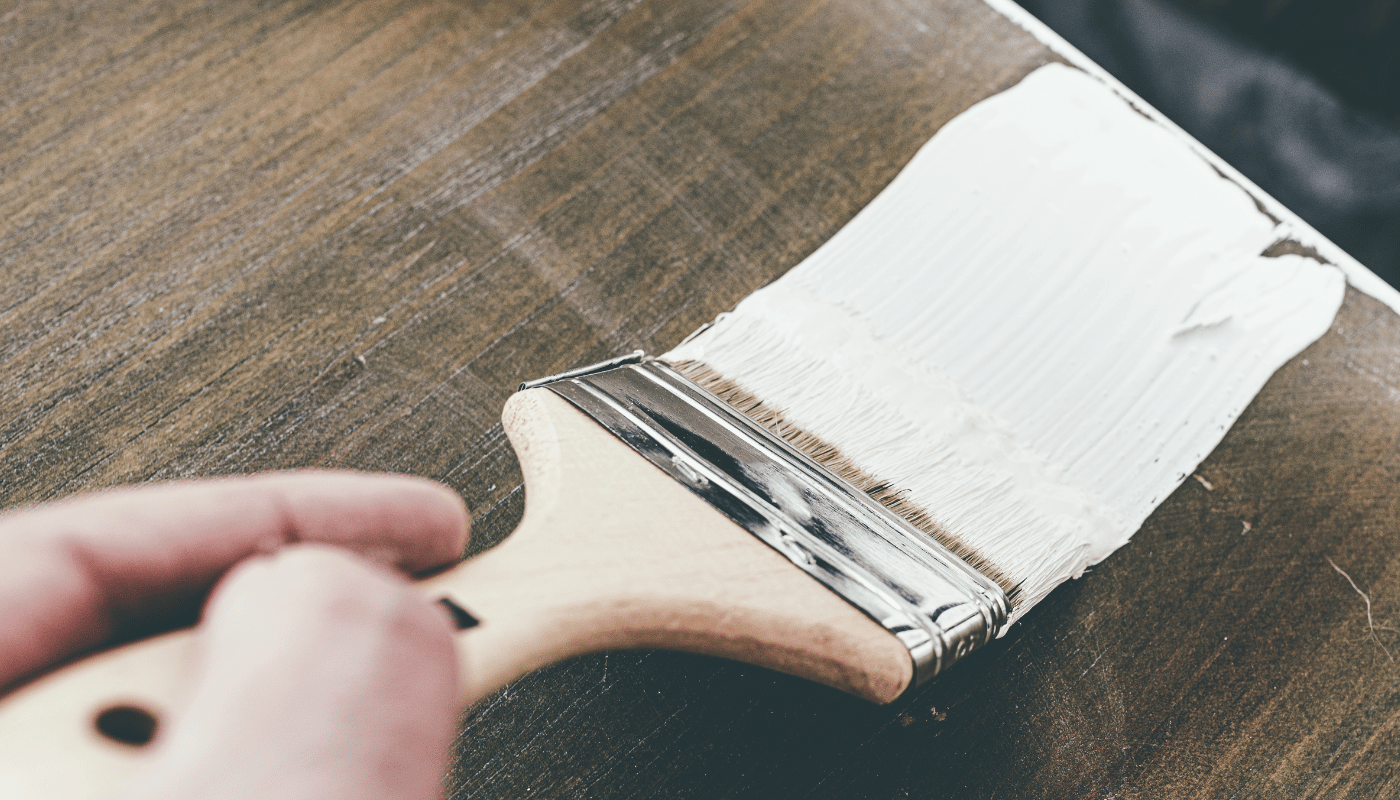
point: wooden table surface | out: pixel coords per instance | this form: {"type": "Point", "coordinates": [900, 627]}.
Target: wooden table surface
{"type": "Point", "coordinates": [244, 235]}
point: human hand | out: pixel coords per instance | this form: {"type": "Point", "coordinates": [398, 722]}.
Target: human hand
{"type": "Point", "coordinates": [318, 673]}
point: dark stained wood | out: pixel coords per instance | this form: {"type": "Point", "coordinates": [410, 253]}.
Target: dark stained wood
{"type": "Point", "coordinates": [238, 236]}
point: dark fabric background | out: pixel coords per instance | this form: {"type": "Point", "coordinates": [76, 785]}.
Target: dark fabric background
{"type": "Point", "coordinates": [1303, 97]}
{"type": "Point", "coordinates": [1352, 45]}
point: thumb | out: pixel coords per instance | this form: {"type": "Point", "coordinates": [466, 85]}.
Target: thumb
{"type": "Point", "coordinates": [318, 675]}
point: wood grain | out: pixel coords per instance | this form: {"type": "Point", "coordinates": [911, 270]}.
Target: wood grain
{"type": "Point", "coordinates": [241, 235]}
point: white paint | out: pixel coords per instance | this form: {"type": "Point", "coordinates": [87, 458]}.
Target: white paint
{"type": "Point", "coordinates": [1291, 225]}
{"type": "Point", "coordinates": [1038, 330]}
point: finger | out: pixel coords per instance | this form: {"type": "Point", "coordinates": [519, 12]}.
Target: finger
{"type": "Point", "coordinates": [73, 574]}
{"type": "Point", "coordinates": [317, 675]}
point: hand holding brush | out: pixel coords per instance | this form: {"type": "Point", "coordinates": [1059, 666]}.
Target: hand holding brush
{"type": "Point", "coordinates": [318, 671]}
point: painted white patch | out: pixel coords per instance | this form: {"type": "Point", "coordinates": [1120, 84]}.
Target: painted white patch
{"type": "Point", "coordinates": [1291, 226]}
{"type": "Point", "coordinates": [15, 787]}
{"type": "Point", "coordinates": [1038, 330]}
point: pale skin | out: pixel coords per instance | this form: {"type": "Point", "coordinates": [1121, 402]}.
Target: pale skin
{"type": "Point", "coordinates": [320, 673]}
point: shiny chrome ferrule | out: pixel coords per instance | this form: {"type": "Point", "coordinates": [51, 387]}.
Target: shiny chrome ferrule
{"type": "Point", "coordinates": [937, 605]}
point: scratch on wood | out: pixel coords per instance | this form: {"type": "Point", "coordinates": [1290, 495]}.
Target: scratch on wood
{"type": "Point", "coordinates": [1370, 622]}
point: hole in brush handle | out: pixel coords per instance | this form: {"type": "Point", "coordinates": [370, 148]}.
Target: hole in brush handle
{"type": "Point", "coordinates": [127, 724]}
{"type": "Point", "coordinates": [461, 618]}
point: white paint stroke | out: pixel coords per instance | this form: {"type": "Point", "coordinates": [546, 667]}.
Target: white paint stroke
{"type": "Point", "coordinates": [1291, 226]}
{"type": "Point", "coordinates": [1038, 330]}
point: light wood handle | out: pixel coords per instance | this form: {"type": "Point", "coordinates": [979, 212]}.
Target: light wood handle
{"type": "Point", "coordinates": [612, 553]}
{"type": "Point", "coordinates": [51, 745]}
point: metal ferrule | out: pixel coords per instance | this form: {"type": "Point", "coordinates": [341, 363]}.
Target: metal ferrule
{"type": "Point", "coordinates": [936, 604]}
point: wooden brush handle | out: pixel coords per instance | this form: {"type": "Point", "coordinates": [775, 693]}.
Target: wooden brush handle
{"type": "Point", "coordinates": [612, 553]}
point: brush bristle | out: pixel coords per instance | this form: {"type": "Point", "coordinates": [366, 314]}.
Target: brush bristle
{"type": "Point", "coordinates": [832, 458]}
{"type": "Point", "coordinates": [907, 436]}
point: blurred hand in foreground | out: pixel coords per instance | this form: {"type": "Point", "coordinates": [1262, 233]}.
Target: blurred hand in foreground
{"type": "Point", "coordinates": [320, 672]}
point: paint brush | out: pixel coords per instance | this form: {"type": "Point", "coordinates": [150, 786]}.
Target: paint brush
{"type": "Point", "coordinates": [976, 390]}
